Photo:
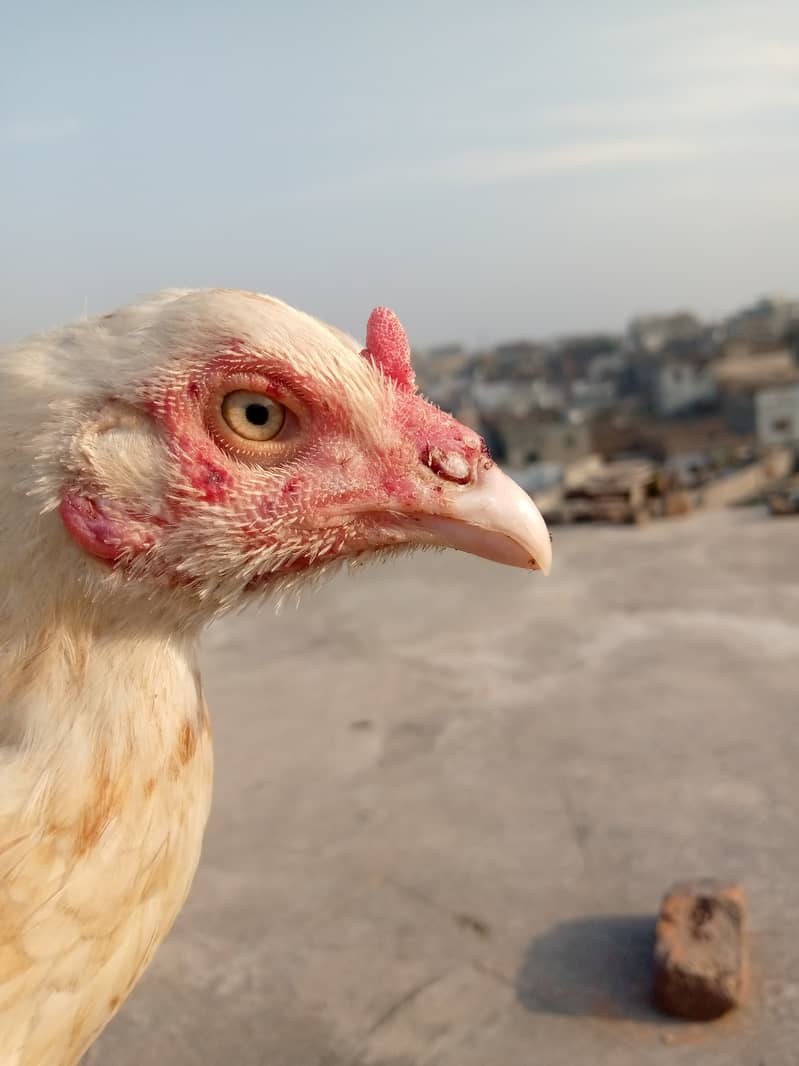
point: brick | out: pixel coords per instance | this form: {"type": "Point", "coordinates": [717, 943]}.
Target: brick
{"type": "Point", "coordinates": [701, 951]}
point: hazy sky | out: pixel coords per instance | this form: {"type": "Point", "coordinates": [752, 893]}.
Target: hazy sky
{"type": "Point", "coordinates": [488, 169]}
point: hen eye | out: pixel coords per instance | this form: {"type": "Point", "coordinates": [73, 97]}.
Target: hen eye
{"type": "Point", "coordinates": [252, 415]}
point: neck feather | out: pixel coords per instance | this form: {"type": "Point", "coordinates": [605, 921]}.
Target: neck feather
{"type": "Point", "coordinates": [80, 671]}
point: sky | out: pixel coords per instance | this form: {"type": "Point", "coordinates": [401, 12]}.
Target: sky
{"type": "Point", "coordinates": [489, 170]}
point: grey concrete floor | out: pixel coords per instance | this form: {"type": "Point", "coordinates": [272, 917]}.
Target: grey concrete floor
{"type": "Point", "coordinates": [450, 795]}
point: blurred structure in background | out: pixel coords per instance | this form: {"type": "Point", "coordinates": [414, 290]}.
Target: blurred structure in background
{"type": "Point", "coordinates": [672, 414]}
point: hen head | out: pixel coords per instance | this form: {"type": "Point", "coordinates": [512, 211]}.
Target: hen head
{"type": "Point", "coordinates": [215, 444]}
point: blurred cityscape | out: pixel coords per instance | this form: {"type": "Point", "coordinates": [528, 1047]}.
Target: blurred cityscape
{"type": "Point", "coordinates": [673, 414]}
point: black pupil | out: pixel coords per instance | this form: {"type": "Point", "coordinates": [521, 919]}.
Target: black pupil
{"type": "Point", "coordinates": [257, 414]}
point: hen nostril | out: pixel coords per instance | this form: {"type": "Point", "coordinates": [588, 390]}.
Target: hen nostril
{"type": "Point", "coordinates": [449, 465]}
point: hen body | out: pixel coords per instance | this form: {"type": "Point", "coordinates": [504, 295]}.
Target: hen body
{"type": "Point", "coordinates": [143, 493]}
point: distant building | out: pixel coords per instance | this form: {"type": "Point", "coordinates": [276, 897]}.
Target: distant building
{"type": "Point", "coordinates": [516, 397]}
{"type": "Point", "coordinates": [607, 366]}
{"type": "Point", "coordinates": [590, 394]}
{"type": "Point", "coordinates": [539, 436]}
{"type": "Point", "coordinates": [573, 358]}
{"type": "Point", "coordinates": [449, 394]}
{"type": "Point", "coordinates": [651, 334]}
{"type": "Point", "coordinates": [442, 371]}
{"type": "Point", "coordinates": [682, 386]}
{"type": "Point", "coordinates": [738, 406]}
{"type": "Point", "coordinates": [447, 351]}
{"type": "Point", "coordinates": [517, 361]}
{"type": "Point", "coordinates": [757, 392]}
{"type": "Point", "coordinates": [748, 370]}
{"type": "Point", "coordinates": [538, 477]}
{"type": "Point", "coordinates": [777, 415]}
{"type": "Point", "coordinates": [491, 396]}
{"type": "Point", "coordinates": [519, 351]}
{"type": "Point", "coordinates": [765, 323]}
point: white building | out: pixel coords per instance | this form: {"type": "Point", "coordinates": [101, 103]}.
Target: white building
{"type": "Point", "coordinates": [777, 415]}
{"type": "Point", "coordinates": [589, 394]}
{"type": "Point", "coordinates": [681, 386]}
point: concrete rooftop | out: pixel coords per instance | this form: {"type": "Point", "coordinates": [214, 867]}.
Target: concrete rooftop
{"type": "Point", "coordinates": [450, 795]}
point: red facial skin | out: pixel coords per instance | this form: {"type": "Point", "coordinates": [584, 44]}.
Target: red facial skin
{"type": "Point", "coordinates": [327, 489]}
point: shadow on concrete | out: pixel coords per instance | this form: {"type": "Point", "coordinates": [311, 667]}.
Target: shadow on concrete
{"type": "Point", "coordinates": [592, 967]}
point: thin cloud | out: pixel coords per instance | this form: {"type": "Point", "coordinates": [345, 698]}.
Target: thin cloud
{"type": "Point", "coordinates": [696, 104]}
{"type": "Point", "coordinates": [735, 53]}
{"type": "Point", "coordinates": [722, 37]}
{"type": "Point", "coordinates": [40, 131]}
{"type": "Point", "coordinates": [703, 27]}
{"type": "Point", "coordinates": [488, 167]}
{"type": "Point", "coordinates": [686, 77]}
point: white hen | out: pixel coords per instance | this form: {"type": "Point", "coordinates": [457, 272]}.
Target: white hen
{"type": "Point", "coordinates": [157, 466]}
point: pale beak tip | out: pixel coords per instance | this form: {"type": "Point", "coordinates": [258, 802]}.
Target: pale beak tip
{"type": "Point", "coordinates": [543, 561]}
{"type": "Point", "coordinates": [496, 519]}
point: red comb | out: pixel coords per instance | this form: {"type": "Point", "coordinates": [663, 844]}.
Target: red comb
{"type": "Point", "coordinates": [387, 347]}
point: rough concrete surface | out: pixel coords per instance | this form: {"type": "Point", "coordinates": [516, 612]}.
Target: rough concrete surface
{"type": "Point", "coordinates": [450, 797]}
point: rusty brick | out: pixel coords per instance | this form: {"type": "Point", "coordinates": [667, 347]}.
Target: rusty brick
{"type": "Point", "coordinates": [701, 951]}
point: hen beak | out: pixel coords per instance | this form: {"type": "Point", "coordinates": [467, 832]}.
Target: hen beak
{"type": "Point", "coordinates": [493, 518]}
